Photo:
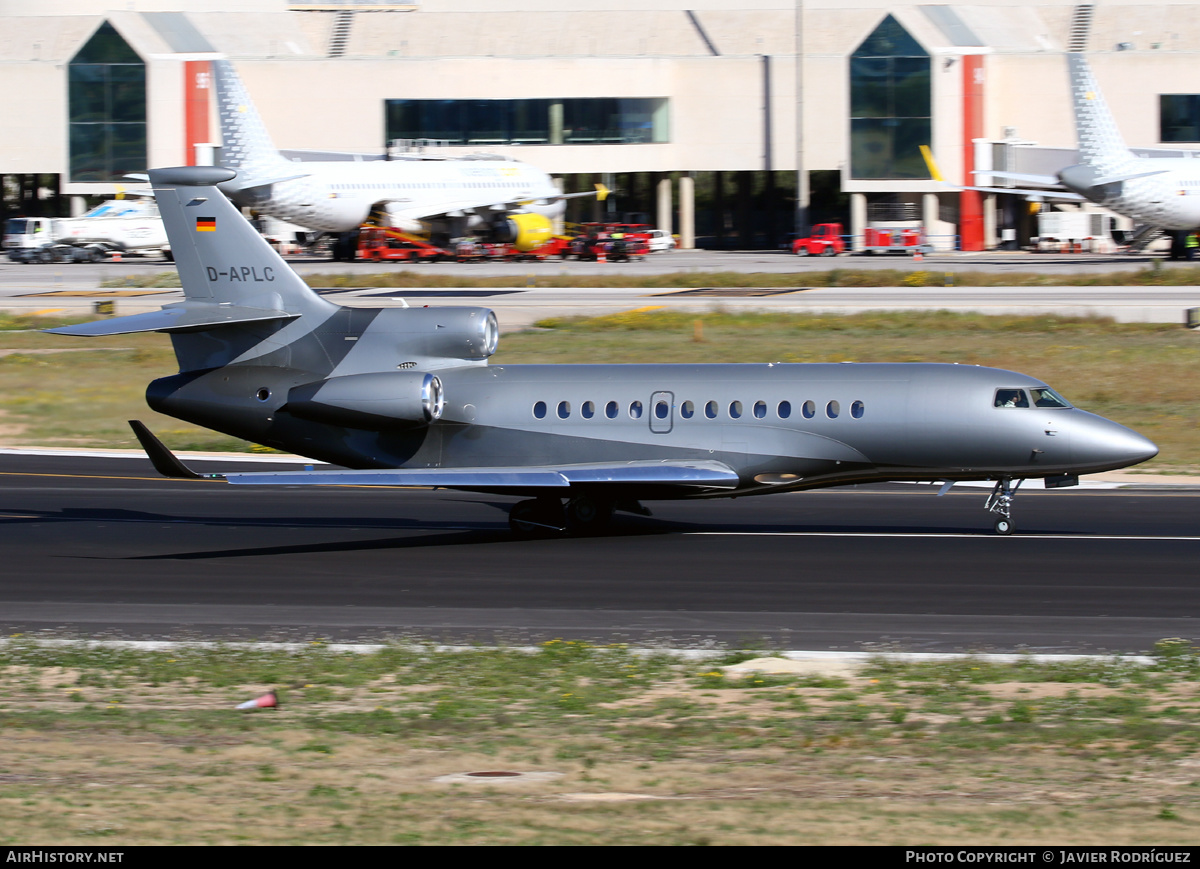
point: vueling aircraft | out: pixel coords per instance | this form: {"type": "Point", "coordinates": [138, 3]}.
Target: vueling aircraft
{"type": "Point", "coordinates": [1159, 191]}
{"type": "Point", "coordinates": [405, 396]}
{"type": "Point", "coordinates": [482, 194]}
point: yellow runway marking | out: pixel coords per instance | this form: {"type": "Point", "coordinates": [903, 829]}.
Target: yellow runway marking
{"type": "Point", "coordinates": [94, 293]}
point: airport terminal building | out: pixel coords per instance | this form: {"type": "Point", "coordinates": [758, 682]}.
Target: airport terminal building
{"type": "Point", "coordinates": [695, 111]}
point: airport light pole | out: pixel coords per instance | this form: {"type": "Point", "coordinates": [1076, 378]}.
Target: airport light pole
{"type": "Point", "coordinates": [802, 191]}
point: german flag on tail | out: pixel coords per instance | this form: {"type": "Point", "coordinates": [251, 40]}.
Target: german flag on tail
{"type": "Point", "coordinates": [206, 224]}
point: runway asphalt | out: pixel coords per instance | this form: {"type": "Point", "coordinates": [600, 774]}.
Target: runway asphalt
{"type": "Point", "coordinates": [98, 546]}
{"type": "Point", "coordinates": [103, 547]}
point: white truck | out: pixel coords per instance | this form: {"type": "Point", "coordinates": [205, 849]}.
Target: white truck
{"type": "Point", "coordinates": [1074, 232]}
{"type": "Point", "coordinates": [125, 225]}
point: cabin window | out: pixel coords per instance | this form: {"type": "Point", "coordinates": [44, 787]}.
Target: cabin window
{"type": "Point", "coordinates": [539, 410]}
{"type": "Point", "coordinates": [661, 409]}
{"type": "Point", "coordinates": [587, 410]}
{"type": "Point", "coordinates": [784, 410]}
{"type": "Point", "coordinates": [635, 410]}
{"type": "Point", "coordinates": [809, 409]}
{"type": "Point", "coordinates": [687, 410]}
{"type": "Point", "coordinates": [1011, 398]}
{"type": "Point", "coordinates": [564, 409]}
{"type": "Point", "coordinates": [1046, 397]}
{"type": "Point", "coordinates": [735, 410]}
{"type": "Point", "coordinates": [833, 409]}
{"type": "Point", "coordinates": [710, 410]}
{"type": "Point", "coordinates": [857, 409]}
{"type": "Point", "coordinates": [760, 410]}
{"type": "Point", "coordinates": [610, 410]}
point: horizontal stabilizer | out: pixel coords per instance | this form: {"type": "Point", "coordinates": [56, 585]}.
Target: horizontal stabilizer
{"type": "Point", "coordinates": [703, 474]}
{"type": "Point", "coordinates": [187, 317]}
{"type": "Point", "coordinates": [1023, 177]}
{"type": "Point", "coordinates": [253, 183]}
{"type": "Point", "coordinates": [1032, 193]}
{"type": "Point", "coordinates": [1126, 176]}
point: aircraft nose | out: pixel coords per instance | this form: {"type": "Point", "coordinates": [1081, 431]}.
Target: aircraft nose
{"type": "Point", "coordinates": [1105, 445]}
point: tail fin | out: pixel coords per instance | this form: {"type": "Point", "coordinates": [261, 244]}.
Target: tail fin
{"type": "Point", "coordinates": [246, 146]}
{"type": "Point", "coordinates": [1100, 142]}
{"type": "Point", "coordinates": [222, 260]}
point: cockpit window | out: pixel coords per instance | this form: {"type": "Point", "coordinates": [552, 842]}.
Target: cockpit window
{"type": "Point", "coordinates": [1011, 398]}
{"type": "Point", "coordinates": [1045, 397]}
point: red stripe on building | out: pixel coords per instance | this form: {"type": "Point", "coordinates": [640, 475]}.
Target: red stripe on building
{"type": "Point", "coordinates": [971, 201]}
{"type": "Point", "coordinates": [197, 84]}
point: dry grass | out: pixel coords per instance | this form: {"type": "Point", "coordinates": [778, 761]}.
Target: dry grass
{"type": "Point", "coordinates": [146, 748]}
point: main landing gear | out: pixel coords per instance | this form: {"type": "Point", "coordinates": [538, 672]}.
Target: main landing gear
{"type": "Point", "coordinates": [549, 516]}
{"type": "Point", "coordinates": [1000, 503]}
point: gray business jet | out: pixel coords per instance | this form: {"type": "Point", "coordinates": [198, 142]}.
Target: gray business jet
{"type": "Point", "coordinates": [405, 396]}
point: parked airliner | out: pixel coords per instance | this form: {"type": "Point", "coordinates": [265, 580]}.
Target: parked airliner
{"type": "Point", "coordinates": [479, 194]}
{"type": "Point", "coordinates": [1159, 191]}
{"type": "Point", "coordinates": [405, 397]}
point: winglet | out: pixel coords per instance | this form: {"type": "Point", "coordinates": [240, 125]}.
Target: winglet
{"type": "Point", "coordinates": [601, 192]}
{"type": "Point", "coordinates": [933, 169]}
{"type": "Point", "coordinates": [163, 459]}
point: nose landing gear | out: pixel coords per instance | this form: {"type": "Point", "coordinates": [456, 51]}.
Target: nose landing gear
{"type": "Point", "coordinates": [1000, 503]}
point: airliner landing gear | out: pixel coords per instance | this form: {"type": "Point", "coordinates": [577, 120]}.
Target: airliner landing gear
{"type": "Point", "coordinates": [1000, 503]}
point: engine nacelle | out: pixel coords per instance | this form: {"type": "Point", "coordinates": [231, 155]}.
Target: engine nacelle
{"type": "Point", "coordinates": [380, 400]}
{"type": "Point", "coordinates": [527, 231]}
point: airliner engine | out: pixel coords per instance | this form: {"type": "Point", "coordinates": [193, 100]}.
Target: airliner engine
{"type": "Point", "coordinates": [525, 231]}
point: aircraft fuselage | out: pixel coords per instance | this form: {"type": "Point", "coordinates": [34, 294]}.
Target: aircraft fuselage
{"type": "Point", "coordinates": [778, 426]}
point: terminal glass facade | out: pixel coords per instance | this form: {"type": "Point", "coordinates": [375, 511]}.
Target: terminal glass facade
{"type": "Point", "coordinates": [1179, 117]}
{"type": "Point", "coordinates": [890, 105]}
{"type": "Point", "coordinates": [606, 121]}
{"type": "Point", "coordinates": [106, 103]}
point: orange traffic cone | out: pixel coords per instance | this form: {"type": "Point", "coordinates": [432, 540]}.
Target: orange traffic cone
{"type": "Point", "coordinates": [266, 701]}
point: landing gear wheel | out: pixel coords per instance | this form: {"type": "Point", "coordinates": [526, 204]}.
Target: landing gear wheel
{"type": "Point", "coordinates": [535, 518]}
{"type": "Point", "coordinates": [1000, 503]}
{"type": "Point", "coordinates": [586, 515]}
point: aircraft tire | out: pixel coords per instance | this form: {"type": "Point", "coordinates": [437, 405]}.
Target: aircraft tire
{"type": "Point", "coordinates": [1004, 526]}
{"type": "Point", "coordinates": [534, 518]}
{"type": "Point", "coordinates": [586, 515]}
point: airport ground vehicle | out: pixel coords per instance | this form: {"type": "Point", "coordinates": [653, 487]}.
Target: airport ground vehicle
{"type": "Point", "coordinates": [825, 240]}
{"type": "Point", "coordinates": [1074, 232]}
{"type": "Point", "coordinates": [378, 243]}
{"type": "Point", "coordinates": [125, 225]}
{"type": "Point", "coordinates": [660, 240]}
{"type": "Point", "coordinates": [909, 241]}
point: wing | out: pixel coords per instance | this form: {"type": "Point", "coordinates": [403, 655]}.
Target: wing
{"type": "Point", "coordinates": [702, 474]}
{"type": "Point", "coordinates": [666, 473]}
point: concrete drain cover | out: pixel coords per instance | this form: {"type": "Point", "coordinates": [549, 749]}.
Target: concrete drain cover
{"type": "Point", "coordinates": [496, 776]}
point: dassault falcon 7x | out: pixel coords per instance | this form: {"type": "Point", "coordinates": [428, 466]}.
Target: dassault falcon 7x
{"type": "Point", "coordinates": [480, 194]}
{"type": "Point", "coordinates": [405, 397]}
